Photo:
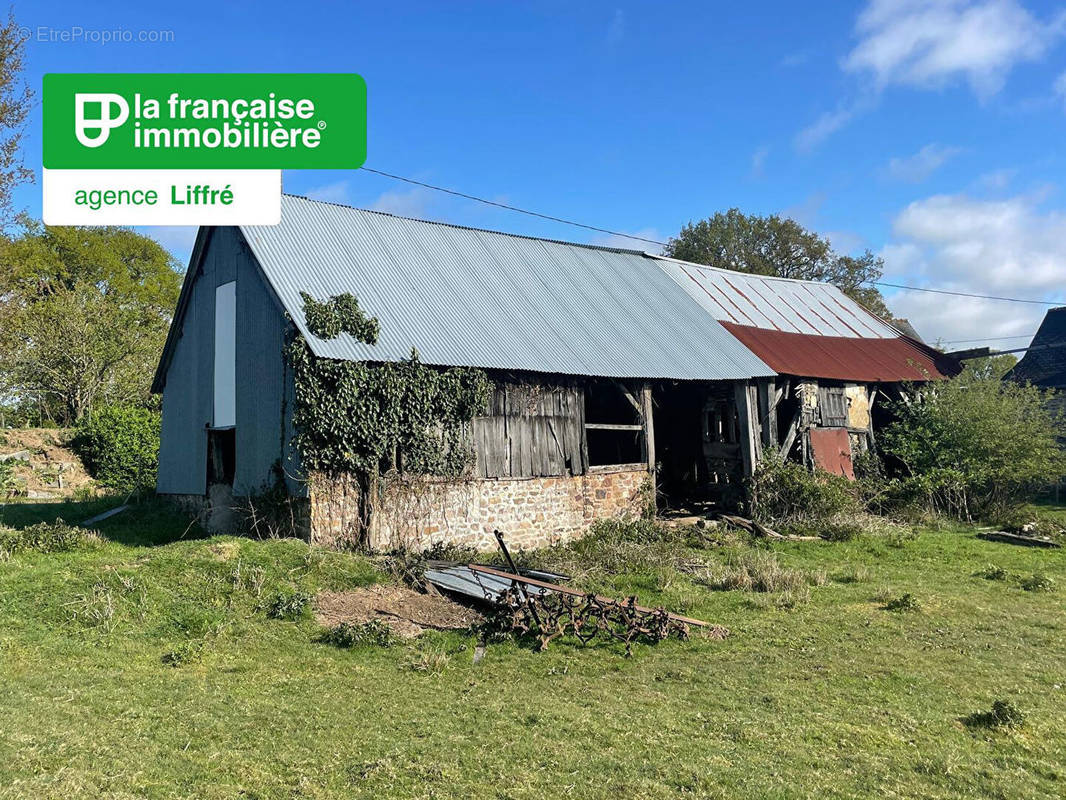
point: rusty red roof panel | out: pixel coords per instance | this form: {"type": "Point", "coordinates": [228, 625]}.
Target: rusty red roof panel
{"type": "Point", "coordinates": [845, 358]}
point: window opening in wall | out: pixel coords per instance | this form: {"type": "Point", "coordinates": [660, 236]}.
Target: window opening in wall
{"type": "Point", "coordinates": [613, 427]}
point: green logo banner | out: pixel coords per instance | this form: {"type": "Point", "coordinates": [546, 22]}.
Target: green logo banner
{"type": "Point", "coordinates": [204, 121]}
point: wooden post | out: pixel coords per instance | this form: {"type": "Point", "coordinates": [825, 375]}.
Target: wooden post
{"type": "Point", "coordinates": [767, 392]}
{"type": "Point", "coordinates": [744, 398]}
{"type": "Point", "coordinates": [647, 419]}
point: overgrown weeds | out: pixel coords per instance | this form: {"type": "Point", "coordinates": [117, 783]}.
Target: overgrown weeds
{"type": "Point", "coordinates": [1038, 582]}
{"type": "Point", "coordinates": [46, 537]}
{"type": "Point", "coordinates": [905, 603]}
{"type": "Point", "coordinates": [1004, 714]}
{"type": "Point", "coordinates": [349, 635]}
{"type": "Point", "coordinates": [288, 604]}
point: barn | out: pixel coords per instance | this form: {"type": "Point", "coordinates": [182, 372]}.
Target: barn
{"type": "Point", "coordinates": [618, 378]}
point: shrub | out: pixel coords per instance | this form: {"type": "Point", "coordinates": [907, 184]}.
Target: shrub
{"type": "Point", "coordinates": [1038, 582]}
{"type": "Point", "coordinates": [905, 602]}
{"type": "Point", "coordinates": [994, 572]}
{"type": "Point", "coordinates": [120, 447]}
{"type": "Point", "coordinates": [788, 494]}
{"type": "Point", "coordinates": [1004, 714]}
{"type": "Point", "coordinates": [288, 604]}
{"type": "Point", "coordinates": [46, 537]}
{"type": "Point", "coordinates": [974, 446]}
{"type": "Point", "coordinates": [185, 653]}
{"type": "Point", "coordinates": [358, 634]}
{"type": "Point", "coordinates": [9, 483]}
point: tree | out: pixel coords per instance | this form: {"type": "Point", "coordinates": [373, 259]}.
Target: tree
{"type": "Point", "coordinates": [16, 99]}
{"type": "Point", "coordinates": [778, 246]}
{"type": "Point", "coordinates": [83, 316]}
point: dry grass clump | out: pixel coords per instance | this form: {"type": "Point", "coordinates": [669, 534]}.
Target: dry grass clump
{"type": "Point", "coordinates": [761, 571]}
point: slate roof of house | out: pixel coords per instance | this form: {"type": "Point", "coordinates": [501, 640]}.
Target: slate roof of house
{"type": "Point", "coordinates": [1043, 365]}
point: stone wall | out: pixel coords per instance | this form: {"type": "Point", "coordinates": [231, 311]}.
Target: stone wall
{"type": "Point", "coordinates": [532, 512]}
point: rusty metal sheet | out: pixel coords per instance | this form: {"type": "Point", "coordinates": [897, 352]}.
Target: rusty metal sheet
{"type": "Point", "coordinates": [831, 448]}
{"type": "Point", "coordinates": [845, 358]}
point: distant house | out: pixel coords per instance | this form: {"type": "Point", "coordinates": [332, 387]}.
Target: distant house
{"type": "Point", "coordinates": [1044, 363]}
{"type": "Point", "coordinates": [613, 371]}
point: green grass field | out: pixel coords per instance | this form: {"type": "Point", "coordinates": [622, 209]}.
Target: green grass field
{"type": "Point", "coordinates": [834, 697]}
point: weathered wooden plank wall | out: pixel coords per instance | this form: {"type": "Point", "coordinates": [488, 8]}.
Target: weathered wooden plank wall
{"type": "Point", "coordinates": [532, 430]}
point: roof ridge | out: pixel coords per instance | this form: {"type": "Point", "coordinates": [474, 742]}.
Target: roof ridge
{"type": "Point", "coordinates": [725, 271]}
{"type": "Point", "coordinates": [470, 227]}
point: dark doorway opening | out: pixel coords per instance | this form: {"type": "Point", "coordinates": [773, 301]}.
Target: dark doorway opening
{"type": "Point", "coordinates": [221, 456]}
{"type": "Point", "coordinates": [696, 446]}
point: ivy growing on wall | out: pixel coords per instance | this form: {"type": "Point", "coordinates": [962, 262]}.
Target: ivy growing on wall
{"type": "Point", "coordinates": [340, 314]}
{"type": "Point", "coordinates": [369, 418]}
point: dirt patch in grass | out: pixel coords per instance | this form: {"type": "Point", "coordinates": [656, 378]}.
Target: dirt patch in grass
{"type": "Point", "coordinates": [406, 611]}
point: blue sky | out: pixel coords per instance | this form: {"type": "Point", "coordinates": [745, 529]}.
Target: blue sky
{"type": "Point", "coordinates": [929, 131]}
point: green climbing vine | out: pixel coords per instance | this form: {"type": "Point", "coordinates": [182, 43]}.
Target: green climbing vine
{"type": "Point", "coordinates": [340, 314]}
{"type": "Point", "coordinates": [367, 419]}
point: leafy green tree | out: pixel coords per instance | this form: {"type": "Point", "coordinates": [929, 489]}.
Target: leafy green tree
{"type": "Point", "coordinates": [16, 100]}
{"type": "Point", "coordinates": [83, 316]}
{"type": "Point", "coordinates": [778, 246]}
{"type": "Point", "coordinates": [975, 446]}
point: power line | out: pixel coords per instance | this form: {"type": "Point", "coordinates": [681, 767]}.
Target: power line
{"type": "Point", "coordinates": [991, 338]}
{"type": "Point", "coordinates": [511, 208]}
{"type": "Point", "coordinates": [967, 294]}
{"type": "Point", "coordinates": [571, 222]}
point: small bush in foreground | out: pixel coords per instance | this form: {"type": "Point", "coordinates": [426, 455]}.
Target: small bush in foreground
{"type": "Point", "coordinates": [904, 603]}
{"type": "Point", "coordinates": [288, 605]}
{"type": "Point", "coordinates": [790, 493]}
{"type": "Point", "coordinates": [358, 634]}
{"type": "Point", "coordinates": [1004, 714]}
{"type": "Point", "coordinates": [185, 653]}
{"type": "Point", "coordinates": [994, 573]}
{"type": "Point", "coordinates": [1038, 582]}
{"type": "Point", "coordinates": [46, 537]}
{"type": "Point", "coordinates": [120, 447]}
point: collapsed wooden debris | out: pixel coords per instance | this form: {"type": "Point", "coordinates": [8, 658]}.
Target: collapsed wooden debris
{"type": "Point", "coordinates": [758, 529]}
{"type": "Point", "coordinates": [550, 611]}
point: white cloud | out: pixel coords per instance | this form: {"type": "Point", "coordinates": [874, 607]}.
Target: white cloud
{"type": "Point", "coordinates": [625, 243]}
{"type": "Point", "coordinates": [758, 160]}
{"type": "Point", "coordinates": [916, 168]}
{"type": "Point", "coordinates": [404, 203]}
{"type": "Point", "coordinates": [824, 127]}
{"type": "Point", "coordinates": [332, 193]}
{"type": "Point", "coordinates": [1006, 247]}
{"type": "Point", "coordinates": [997, 179]}
{"type": "Point", "coordinates": [931, 43]}
{"type": "Point", "coordinates": [1059, 87]}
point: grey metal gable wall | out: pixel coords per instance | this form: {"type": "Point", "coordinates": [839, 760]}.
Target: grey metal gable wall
{"type": "Point", "coordinates": [188, 395]}
{"type": "Point", "coordinates": [264, 385]}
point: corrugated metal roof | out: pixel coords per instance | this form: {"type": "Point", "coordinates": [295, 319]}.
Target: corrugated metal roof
{"type": "Point", "coordinates": [807, 328]}
{"type": "Point", "coordinates": [779, 304]}
{"type": "Point", "coordinates": [845, 358]}
{"type": "Point", "coordinates": [468, 297]}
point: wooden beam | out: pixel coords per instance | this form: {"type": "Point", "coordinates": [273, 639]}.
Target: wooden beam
{"type": "Point", "coordinates": [604, 426]}
{"type": "Point", "coordinates": [749, 438]}
{"type": "Point", "coordinates": [790, 437]}
{"type": "Point", "coordinates": [648, 417]}
{"type": "Point", "coordinates": [767, 395]}
{"type": "Point", "coordinates": [628, 395]}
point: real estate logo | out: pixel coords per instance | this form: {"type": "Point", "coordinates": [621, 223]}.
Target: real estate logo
{"type": "Point", "coordinates": [236, 131]}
